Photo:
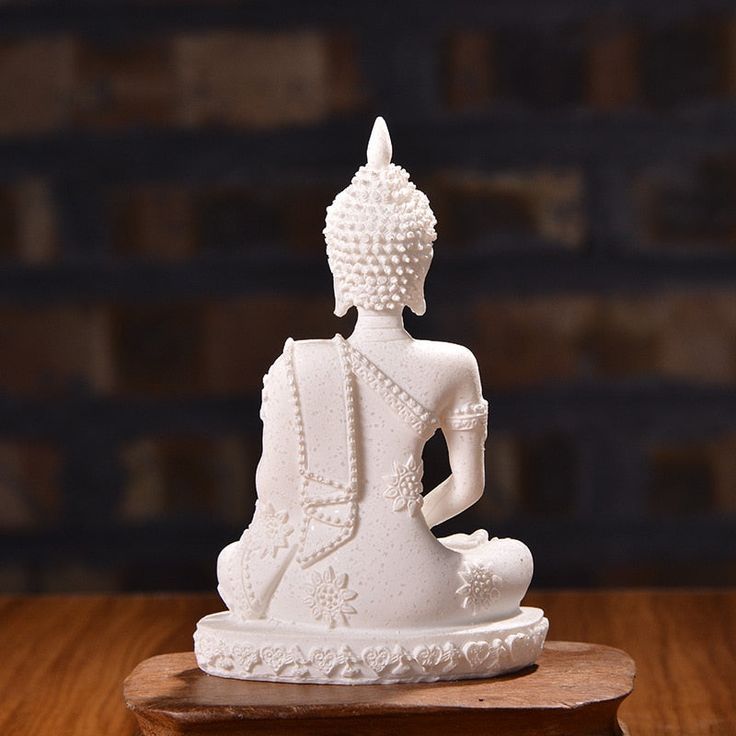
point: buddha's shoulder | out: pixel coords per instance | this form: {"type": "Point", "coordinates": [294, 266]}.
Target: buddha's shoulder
{"type": "Point", "coordinates": [305, 349]}
{"type": "Point", "coordinates": [447, 354]}
{"type": "Point", "coordinates": [312, 345]}
{"type": "Point", "coordinates": [453, 370]}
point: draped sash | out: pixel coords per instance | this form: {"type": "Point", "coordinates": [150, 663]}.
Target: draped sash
{"type": "Point", "coordinates": [324, 411]}
{"type": "Point", "coordinates": [324, 403]}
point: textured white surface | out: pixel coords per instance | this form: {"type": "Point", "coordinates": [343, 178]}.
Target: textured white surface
{"type": "Point", "coordinates": [340, 552]}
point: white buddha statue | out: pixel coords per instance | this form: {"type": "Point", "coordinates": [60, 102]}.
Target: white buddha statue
{"type": "Point", "coordinates": [339, 578]}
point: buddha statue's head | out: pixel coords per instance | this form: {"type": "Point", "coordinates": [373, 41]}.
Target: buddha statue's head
{"type": "Point", "coordinates": [379, 234]}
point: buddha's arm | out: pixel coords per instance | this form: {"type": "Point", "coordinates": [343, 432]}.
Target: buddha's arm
{"type": "Point", "coordinates": [465, 485]}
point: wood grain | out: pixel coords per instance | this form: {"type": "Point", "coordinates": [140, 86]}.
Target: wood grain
{"type": "Point", "coordinates": [65, 658]}
{"type": "Point", "coordinates": [574, 689]}
{"type": "Point", "coordinates": [684, 645]}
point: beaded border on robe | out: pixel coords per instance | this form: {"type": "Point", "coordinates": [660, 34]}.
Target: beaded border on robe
{"type": "Point", "coordinates": [420, 419]}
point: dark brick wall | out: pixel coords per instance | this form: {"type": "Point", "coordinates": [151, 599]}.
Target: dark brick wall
{"type": "Point", "coordinates": [164, 169]}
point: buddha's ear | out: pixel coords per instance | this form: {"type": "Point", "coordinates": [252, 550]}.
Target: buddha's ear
{"type": "Point", "coordinates": [416, 301]}
{"type": "Point", "coordinates": [341, 304]}
{"type": "Point", "coordinates": [417, 305]}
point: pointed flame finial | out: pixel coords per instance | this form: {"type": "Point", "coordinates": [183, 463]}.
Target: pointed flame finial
{"type": "Point", "coordinates": [379, 145]}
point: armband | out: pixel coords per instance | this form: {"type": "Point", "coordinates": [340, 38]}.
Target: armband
{"type": "Point", "coordinates": [468, 416]}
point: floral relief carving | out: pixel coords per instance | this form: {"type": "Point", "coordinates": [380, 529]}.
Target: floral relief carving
{"type": "Point", "coordinates": [438, 658]}
{"type": "Point", "coordinates": [246, 657]}
{"type": "Point", "coordinates": [405, 486]}
{"type": "Point", "coordinates": [276, 658]}
{"type": "Point", "coordinates": [388, 662]}
{"type": "Point", "coordinates": [480, 586]}
{"type": "Point", "coordinates": [377, 658]}
{"type": "Point", "coordinates": [329, 597]}
{"type": "Point", "coordinates": [325, 660]}
{"type": "Point", "coordinates": [273, 531]}
{"type": "Point", "coordinates": [482, 653]}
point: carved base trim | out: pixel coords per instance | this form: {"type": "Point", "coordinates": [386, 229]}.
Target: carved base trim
{"type": "Point", "coordinates": [277, 652]}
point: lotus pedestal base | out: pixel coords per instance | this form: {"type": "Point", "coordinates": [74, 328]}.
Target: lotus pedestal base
{"type": "Point", "coordinates": [278, 652]}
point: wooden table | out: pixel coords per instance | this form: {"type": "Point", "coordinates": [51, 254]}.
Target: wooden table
{"type": "Point", "coordinates": [64, 658]}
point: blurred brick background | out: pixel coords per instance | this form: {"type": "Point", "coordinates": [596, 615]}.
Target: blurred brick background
{"type": "Point", "coordinates": [164, 169]}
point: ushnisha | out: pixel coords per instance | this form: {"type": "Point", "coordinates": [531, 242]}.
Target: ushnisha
{"type": "Point", "coordinates": [338, 578]}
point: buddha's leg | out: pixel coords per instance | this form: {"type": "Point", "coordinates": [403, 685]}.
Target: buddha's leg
{"type": "Point", "coordinates": [228, 575]}
{"type": "Point", "coordinates": [512, 561]}
{"type": "Point", "coordinates": [495, 575]}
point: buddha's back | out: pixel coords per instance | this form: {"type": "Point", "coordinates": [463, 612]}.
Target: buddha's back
{"type": "Point", "coordinates": [370, 534]}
